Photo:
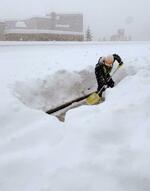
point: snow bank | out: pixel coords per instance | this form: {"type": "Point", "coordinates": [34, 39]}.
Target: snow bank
{"type": "Point", "coordinates": [116, 139]}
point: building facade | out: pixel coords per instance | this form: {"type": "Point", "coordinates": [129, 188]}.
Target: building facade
{"type": "Point", "coordinates": [2, 31]}
{"type": "Point", "coordinates": [59, 27]}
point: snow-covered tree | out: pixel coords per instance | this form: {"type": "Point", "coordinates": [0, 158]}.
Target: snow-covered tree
{"type": "Point", "coordinates": [88, 34]}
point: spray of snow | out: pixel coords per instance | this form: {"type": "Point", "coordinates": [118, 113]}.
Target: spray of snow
{"type": "Point", "coordinates": [56, 89]}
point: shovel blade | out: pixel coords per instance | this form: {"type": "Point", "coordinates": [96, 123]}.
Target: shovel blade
{"type": "Point", "coordinates": [94, 98]}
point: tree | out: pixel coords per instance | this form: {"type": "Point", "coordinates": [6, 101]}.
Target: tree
{"type": "Point", "coordinates": [88, 34]}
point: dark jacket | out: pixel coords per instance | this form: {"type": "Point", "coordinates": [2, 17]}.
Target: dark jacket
{"type": "Point", "coordinates": [102, 71]}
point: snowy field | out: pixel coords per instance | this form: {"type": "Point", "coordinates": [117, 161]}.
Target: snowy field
{"type": "Point", "coordinates": [103, 147]}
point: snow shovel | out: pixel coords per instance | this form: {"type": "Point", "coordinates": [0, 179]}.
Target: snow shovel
{"type": "Point", "coordinates": [94, 98]}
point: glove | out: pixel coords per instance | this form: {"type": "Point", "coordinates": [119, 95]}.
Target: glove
{"type": "Point", "coordinates": [121, 63]}
{"type": "Point", "coordinates": [110, 83]}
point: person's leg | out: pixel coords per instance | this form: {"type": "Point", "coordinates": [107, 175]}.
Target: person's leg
{"type": "Point", "coordinates": [100, 89]}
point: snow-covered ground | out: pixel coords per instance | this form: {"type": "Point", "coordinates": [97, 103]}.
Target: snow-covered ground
{"type": "Point", "coordinates": [102, 147]}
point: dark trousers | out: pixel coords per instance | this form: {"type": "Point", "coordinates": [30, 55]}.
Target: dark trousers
{"type": "Point", "coordinates": [100, 89]}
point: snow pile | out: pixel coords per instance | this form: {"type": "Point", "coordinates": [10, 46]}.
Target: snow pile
{"type": "Point", "coordinates": [103, 147]}
{"type": "Point", "coordinates": [56, 89]}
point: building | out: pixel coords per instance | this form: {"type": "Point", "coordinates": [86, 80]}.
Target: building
{"type": "Point", "coordinates": [2, 31]}
{"type": "Point", "coordinates": [59, 27]}
{"type": "Point", "coordinates": [120, 36]}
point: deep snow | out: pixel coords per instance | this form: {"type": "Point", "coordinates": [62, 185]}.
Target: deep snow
{"type": "Point", "coordinates": [102, 147]}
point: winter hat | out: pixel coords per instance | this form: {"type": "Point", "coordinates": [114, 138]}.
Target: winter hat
{"type": "Point", "coordinates": [109, 60]}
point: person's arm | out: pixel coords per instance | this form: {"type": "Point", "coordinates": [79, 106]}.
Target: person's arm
{"type": "Point", "coordinates": [109, 81]}
{"type": "Point", "coordinates": [118, 58]}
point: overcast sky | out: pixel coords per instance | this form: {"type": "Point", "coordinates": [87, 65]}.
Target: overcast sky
{"type": "Point", "coordinates": [103, 16]}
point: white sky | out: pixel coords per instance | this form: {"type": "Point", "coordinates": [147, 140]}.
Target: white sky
{"type": "Point", "coordinates": [103, 16]}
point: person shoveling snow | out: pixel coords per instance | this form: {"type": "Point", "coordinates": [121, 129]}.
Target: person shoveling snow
{"type": "Point", "coordinates": [102, 72]}
{"type": "Point", "coordinates": [104, 80]}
